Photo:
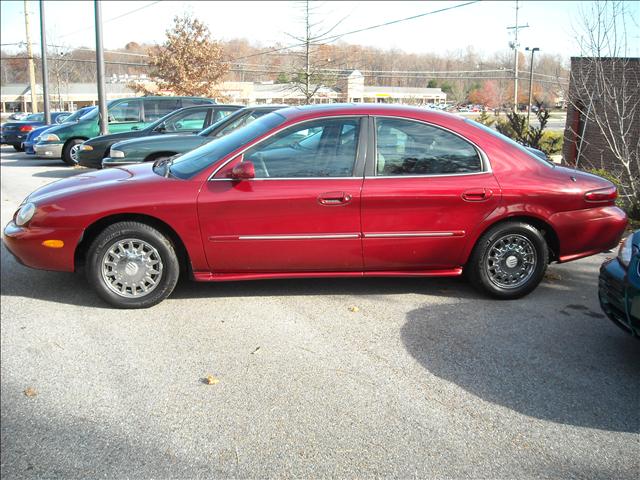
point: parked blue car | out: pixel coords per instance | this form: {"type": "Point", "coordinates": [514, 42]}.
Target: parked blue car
{"type": "Point", "coordinates": [28, 144]}
{"type": "Point", "coordinates": [619, 286]}
{"type": "Point", "coordinates": [14, 133]}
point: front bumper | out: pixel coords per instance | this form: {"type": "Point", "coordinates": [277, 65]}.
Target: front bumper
{"type": "Point", "coordinates": [48, 150]}
{"type": "Point", "coordinates": [108, 162]}
{"type": "Point", "coordinates": [25, 243]}
{"type": "Point", "coordinates": [28, 148]}
{"type": "Point", "coordinates": [618, 299]}
{"type": "Point", "coordinates": [90, 159]}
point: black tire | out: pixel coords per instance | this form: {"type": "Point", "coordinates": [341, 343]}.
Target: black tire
{"type": "Point", "coordinates": [67, 155]}
{"type": "Point", "coordinates": [17, 147]}
{"type": "Point", "coordinates": [491, 266]}
{"type": "Point", "coordinates": [132, 233]}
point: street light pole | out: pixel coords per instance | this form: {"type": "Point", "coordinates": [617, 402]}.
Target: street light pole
{"type": "Point", "coordinates": [533, 50]}
{"type": "Point", "coordinates": [102, 101]}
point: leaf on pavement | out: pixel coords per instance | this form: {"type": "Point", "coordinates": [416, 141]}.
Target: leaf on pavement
{"type": "Point", "coordinates": [353, 308]}
{"type": "Point", "coordinates": [30, 392]}
{"type": "Point", "coordinates": [211, 380]}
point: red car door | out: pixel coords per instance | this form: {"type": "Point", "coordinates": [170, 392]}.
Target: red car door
{"type": "Point", "coordinates": [300, 213]}
{"type": "Point", "coordinates": [425, 189]}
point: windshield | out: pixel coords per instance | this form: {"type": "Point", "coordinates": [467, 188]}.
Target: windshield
{"type": "Point", "coordinates": [75, 116]}
{"type": "Point", "coordinates": [495, 133]}
{"type": "Point", "coordinates": [228, 118]}
{"type": "Point", "coordinates": [35, 117]}
{"type": "Point", "coordinates": [94, 112]}
{"type": "Point", "coordinates": [197, 160]}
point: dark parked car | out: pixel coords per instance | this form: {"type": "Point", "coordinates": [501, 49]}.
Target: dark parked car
{"type": "Point", "coordinates": [185, 121]}
{"type": "Point", "coordinates": [34, 135]}
{"type": "Point", "coordinates": [153, 148]}
{"type": "Point", "coordinates": [14, 133]}
{"type": "Point", "coordinates": [359, 190]}
{"type": "Point", "coordinates": [619, 286]}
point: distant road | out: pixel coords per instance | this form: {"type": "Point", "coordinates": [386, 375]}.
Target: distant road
{"type": "Point", "coordinates": [556, 121]}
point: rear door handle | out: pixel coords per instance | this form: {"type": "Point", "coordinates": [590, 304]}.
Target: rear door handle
{"type": "Point", "coordinates": [477, 194]}
{"type": "Point", "coordinates": [334, 198]}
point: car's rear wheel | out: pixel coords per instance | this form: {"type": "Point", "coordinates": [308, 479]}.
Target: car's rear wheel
{"type": "Point", "coordinates": [71, 151]}
{"type": "Point", "coordinates": [17, 147]}
{"type": "Point", "coordinates": [509, 260]}
{"type": "Point", "coordinates": [132, 265]}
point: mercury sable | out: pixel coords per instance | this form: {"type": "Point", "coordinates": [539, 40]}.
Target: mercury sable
{"type": "Point", "coordinates": [340, 190]}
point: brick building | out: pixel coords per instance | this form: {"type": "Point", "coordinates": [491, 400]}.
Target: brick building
{"type": "Point", "coordinates": [608, 88]}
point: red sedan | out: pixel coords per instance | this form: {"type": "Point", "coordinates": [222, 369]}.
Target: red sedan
{"type": "Point", "coordinates": [340, 190]}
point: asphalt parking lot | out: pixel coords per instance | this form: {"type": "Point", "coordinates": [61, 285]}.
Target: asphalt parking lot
{"type": "Point", "coordinates": [423, 378]}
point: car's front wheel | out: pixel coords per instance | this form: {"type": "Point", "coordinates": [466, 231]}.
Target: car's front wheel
{"type": "Point", "coordinates": [132, 265]}
{"type": "Point", "coordinates": [509, 260]}
{"type": "Point", "coordinates": [71, 151]}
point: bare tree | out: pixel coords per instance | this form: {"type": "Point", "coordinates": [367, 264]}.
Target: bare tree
{"type": "Point", "coordinates": [605, 90]}
{"type": "Point", "coordinates": [311, 77]}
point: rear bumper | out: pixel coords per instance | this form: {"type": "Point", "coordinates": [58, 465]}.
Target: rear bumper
{"type": "Point", "coordinates": [48, 150]}
{"type": "Point", "coordinates": [14, 138]}
{"type": "Point", "coordinates": [26, 245]}
{"type": "Point", "coordinates": [587, 232]}
{"type": "Point", "coordinates": [618, 298]}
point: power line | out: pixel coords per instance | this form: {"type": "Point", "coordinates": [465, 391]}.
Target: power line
{"type": "Point", "coordinates": [111, 19]}
{"type": "Point", "coordinates": [335, 37]}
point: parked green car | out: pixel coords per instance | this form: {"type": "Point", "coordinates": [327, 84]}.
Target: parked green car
{"type": "Point", "coordinates": [125, 114]}
{"type": "Point", "coordinates": [148, 149]}
{"type": "Point", "coordinates": [619, 286]}
{"type": "Point", "coordinates": [186, 121]}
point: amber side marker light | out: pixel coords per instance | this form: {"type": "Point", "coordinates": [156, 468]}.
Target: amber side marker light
{"type": "Point", "coordinates": [53, 243]}
{"type": "Point", "coordinates": [601, 195]}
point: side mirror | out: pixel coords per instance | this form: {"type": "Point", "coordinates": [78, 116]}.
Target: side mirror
{"type": "Point", "coordinates": [243, 171]}
{"type": "Point", "coordinates": [161, 128]}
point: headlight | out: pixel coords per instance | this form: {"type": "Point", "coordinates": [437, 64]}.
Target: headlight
{"type": "Point", "coordinates": [624, 253]}
{"type": "Point", "coordinates": [116, 153]}
{"type": "Point", "coordinates": [50, 137]}
{"type": "Point", "coordinates": [25, 214]}
{"type": "Point", "coordinates": [86, 148]}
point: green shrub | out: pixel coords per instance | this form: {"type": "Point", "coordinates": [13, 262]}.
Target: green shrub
{"type": "Point", "coordinates": [551, 142]}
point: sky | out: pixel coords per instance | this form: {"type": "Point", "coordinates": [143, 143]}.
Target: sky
{"type": "Point", "coordinates": [482, 25]}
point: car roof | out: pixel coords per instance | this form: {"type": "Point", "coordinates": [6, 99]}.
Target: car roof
{"type": "Point", "coordinates": [304, 111]}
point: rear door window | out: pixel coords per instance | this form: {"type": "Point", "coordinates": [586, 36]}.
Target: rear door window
{"type": "Point", "coordinates": [125, 112]}
{"type": "Point", "coordinates": [158, 107]}
{"type": "Point", "coordinates": [406, 147]}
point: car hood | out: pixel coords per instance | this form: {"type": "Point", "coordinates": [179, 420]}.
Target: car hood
{"type": "Point", "coordinates": [95, 181]}
{"type": "Point", "coordinates": [156, 140]}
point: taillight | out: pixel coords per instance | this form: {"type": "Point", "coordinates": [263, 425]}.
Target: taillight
{"type": "Point", "coordinates": [607, 194]}
{"type": "Point", "coordinates": [26, 128]}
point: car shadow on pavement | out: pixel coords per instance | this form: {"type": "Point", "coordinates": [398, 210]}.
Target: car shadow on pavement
{"type": "Point", "coordinates": [72, 288]}
{"type": "Point", "coordinates": [570, 366]}
{"type": "Point", "coordinates": [69, 172]}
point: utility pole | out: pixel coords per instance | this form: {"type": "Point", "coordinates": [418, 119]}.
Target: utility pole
{"type": "Point", "coordinates": [32, 67]}
{"type": "Point", "coordinates": [515, 46]}
{"type": "Point", "coordinates": [45, 69]}
{"type": "Point", "coordinates": [533, 50]}
{"type": "Point", "coordinates": [102, 101]}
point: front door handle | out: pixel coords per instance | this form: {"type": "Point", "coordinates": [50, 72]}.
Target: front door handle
{"type": "Point", "coordinates": [334, 198]}
{"type": "Point", "coordinates": [477, 194]}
